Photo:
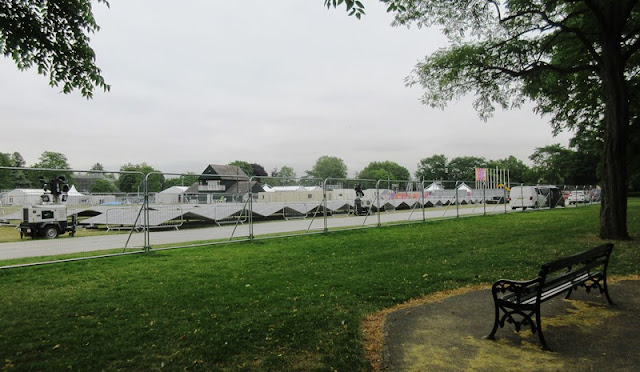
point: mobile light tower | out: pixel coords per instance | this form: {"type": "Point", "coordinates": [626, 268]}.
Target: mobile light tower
{"type": "Point", "coordinates": [49, 219]}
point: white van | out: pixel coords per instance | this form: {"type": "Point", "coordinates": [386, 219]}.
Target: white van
{"type": "Point", "coordinates": [526, 197]}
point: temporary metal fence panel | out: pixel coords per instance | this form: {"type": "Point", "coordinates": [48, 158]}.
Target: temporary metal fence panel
{"type": "Point", "coordinates": [163, 217]}
{"type": "Point", "coordinates": [83, 195]}
{"type": "Point", "coordinates": [351, 203]}
{"type": "Point", "coordinates": [211, 210]}
{"type": "Point", "coordinates": [522, 197]}
{"type": "Point", "coordinates": [265, 210]}
{"type": "Point", "coordinates": [218, 213]}
{"type": "Point", "coordinates": [580, 195]}
{"type": "Point", "coordinates": [440, 199]}
{"type": "Point", "coordinates": [128, 218]}
{"type": "Point", "coordinates": [214, 207]}
{"type": "Point", "coordinates": [288, 206]}
{"type": "Point", "coordinates": [401, 201]}
{"type": "Point", "coordinates": [494, 199]}
{"type": "Point", "coordinates": [301, 210]}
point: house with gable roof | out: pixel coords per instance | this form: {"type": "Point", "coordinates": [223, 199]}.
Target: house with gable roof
{"type": "Point", "coordinates": [223, 183]}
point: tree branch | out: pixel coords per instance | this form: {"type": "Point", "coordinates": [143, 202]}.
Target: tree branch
{"type": "Point", "coordinates": [535, 67]}
{"type": "Point", "coordinates": [562, 25]}
{"type": "Point", "coordinates": [632, 50]}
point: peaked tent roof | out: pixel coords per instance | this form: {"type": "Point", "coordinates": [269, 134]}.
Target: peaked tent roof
{"type": "Point", "coordinates": [464, 186]}
{"type": "Point", "coordinates": [73, 191]}
{"type": "Point", "coordinates": [435, 186]}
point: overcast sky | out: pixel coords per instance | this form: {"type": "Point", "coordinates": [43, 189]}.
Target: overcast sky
{"type": "Point", "coordinates": [269, 82]}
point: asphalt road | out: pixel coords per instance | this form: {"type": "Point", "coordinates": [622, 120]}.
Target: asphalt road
{"type": "Point", "coordinates": [67, 245]}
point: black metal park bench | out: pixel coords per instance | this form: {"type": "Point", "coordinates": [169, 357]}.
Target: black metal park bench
{"type": "Point", "coordinates": [519, 301]}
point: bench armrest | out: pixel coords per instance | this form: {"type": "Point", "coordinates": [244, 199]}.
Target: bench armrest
{"type": "Point", "coordinates": [515, 289]}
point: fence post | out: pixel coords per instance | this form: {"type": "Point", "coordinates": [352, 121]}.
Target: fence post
{"type": "Point", "coordinates": [250, 209]}
{"type": "Point", "coordinates": [324, 205]}
{"type": "Point", "coordinates": [576, 196]}
{"type": "Point", "coordinates": [424, 218]}
{"type": "Point", "coordinates": [484, 198]}
{"type": "Point", "coordinates": [146, 228]}
{"type": "Point", "coordinates": [504, 197]}
{"type": "Point", "coordinates": [457, 201]}
{"type": "Point", "coordinates": [378, 201]}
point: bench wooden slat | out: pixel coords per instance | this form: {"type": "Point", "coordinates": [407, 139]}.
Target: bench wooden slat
{"type": "Point", "coordinates": [599, 251]}
{"type": "Point", "coordinates": [548, 291]}
{"type": "Point", "coordinates": [559, 289]}
{"type": "Point", "coordinates": [578, 272]}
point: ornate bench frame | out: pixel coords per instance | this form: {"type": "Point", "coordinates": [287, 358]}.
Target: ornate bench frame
{"type": "Point", "coordinates": [519, 301]}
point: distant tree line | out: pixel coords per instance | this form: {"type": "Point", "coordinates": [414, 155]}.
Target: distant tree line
{"type": "Point", "coordinates": [553, 164]}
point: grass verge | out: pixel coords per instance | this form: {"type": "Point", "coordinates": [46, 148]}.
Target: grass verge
{"type": "Point", "coordinates": [278, 304]}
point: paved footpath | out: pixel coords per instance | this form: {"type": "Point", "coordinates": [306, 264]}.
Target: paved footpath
{"type": "Point", "coordinates": [585, 333]}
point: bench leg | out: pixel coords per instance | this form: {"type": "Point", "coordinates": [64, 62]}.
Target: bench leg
{"type": "Point", "coordinates": [606, 291]}
{"type": "Point", "coordinates": [492, 335]}
{"type": "Point", "coordinates": [543, 343]}
{"type": "Point", "coordinates": [568, 293]}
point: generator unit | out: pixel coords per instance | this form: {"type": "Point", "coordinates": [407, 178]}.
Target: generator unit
{"type": "Point", "coordinates": [47, 221]}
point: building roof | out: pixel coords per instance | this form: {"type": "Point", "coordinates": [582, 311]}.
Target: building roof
{"type": "Point", "coordinates": [175, 190]}
{"type": "Point", "coordinates": [28, 191]}
{"type": "Point", "coordinates": [291, 188]}
{"type": "Point", "coordinates": [225, 172]}
{"type": "Point", "coordinates": [242, 187]}
{"type": "Point", "coordinates": [193, 189]}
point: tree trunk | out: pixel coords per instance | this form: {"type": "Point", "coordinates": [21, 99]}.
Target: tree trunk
{"type": "Point", "coordinates": [613, 210]}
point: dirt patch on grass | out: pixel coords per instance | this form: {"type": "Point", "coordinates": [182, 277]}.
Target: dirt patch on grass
{"type": "Point", "coordinates": [373, 325]}
{"type": "Point", "coordinates": [488, 354]}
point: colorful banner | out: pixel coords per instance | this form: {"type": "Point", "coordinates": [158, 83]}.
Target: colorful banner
{"type": "Point", "coordinates": [481, 174]}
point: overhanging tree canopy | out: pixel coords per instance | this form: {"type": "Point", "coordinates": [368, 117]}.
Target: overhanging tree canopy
{"type": "Point", "coordinates": [53, 36]}
{"type": "Point", "coordinates": [577, 59]}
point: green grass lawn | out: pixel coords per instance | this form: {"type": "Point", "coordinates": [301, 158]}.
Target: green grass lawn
{"type": "Point", "coordinates": [280, 304]}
